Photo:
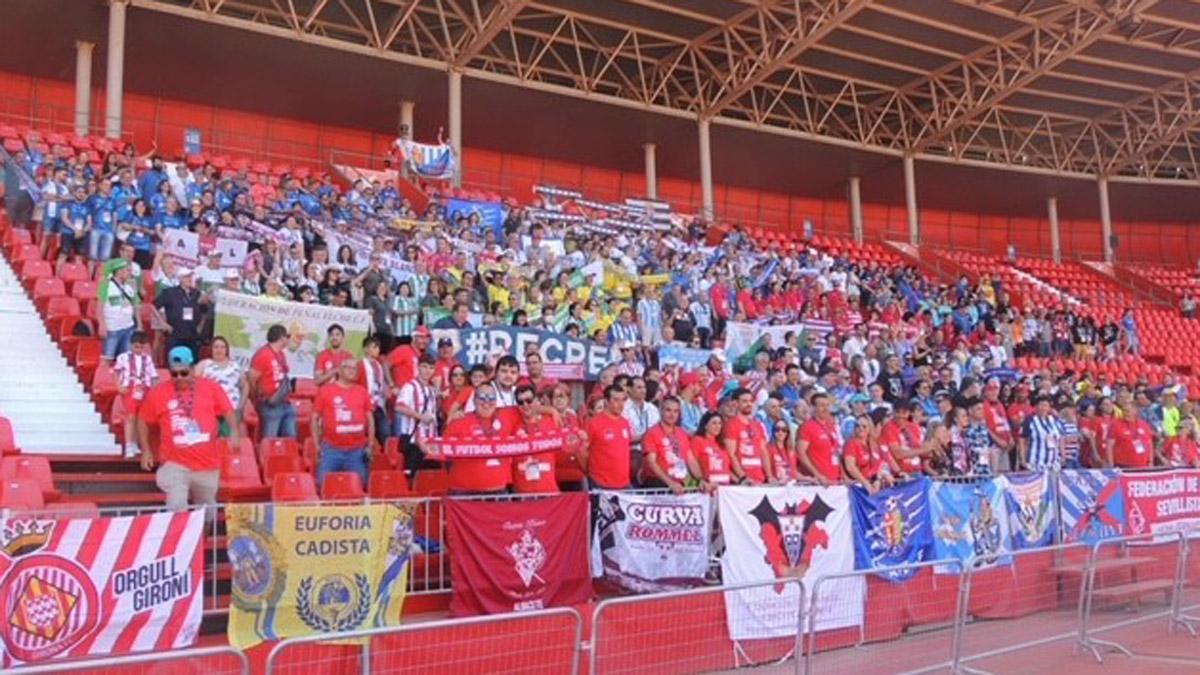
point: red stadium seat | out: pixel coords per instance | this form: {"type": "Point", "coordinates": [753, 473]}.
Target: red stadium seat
{"type": "Point", "coordinates": [390, 457]}
{"type": "Point", "coordinates": [275, 465]}
{"type": "Point", "coordinates": [84, 290]}
{"type": "Point", "coordinates": [388, 485]}
{"type": "Point", "coordinates": [8, 445]}
{"type": "Point", "coordinates": [293, 487]}
{"type": "Point", "coordinates": [431, 482]}
{"type": "Point", "coordinates": [239, 476]}
{"type": "Point", "coordinates": [47, 288]}
{"type": "Point", "coordinates": [21, 493]}
{"type": "Point", "coordinates": [34, 468]}
{"type": "Point", "coordinates": [278, 446]}
{"type": "Point", "coordinates": [70, 272]}
{"type": "Point", "coordinates": [305, 388]}
{"type": "Point", "coordinates": [340, 485]}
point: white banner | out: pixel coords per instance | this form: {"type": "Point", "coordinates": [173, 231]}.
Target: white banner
{"type": "Point", "coordinates": [651, 542]}
{"type": "Point", "coordinates": [788, 532]}
{"type": "Point", "coordinates": [183, 246]}
{"type": "Point", "coordinates": [233, 252]}
{"type": "Point", "coordinates": [243, 320]}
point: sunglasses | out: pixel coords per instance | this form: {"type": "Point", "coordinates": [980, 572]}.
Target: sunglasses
{"type": "Point", "coordinates": [524, 401]}
{"type": "Point", "coordinates": [486, 398]}
{"type": "Point", "coordinates": [781, 430]}
{"type": "Point", "coordinates": [180, 373]}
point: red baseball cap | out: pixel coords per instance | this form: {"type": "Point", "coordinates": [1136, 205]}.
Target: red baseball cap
{"type": "Point", "coordinates": [422, 331]}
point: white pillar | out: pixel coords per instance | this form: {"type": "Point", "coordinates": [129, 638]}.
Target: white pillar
{"type": "Point", "coordinates": [706, 184]}
{"type": "Point", "coordinates": [651, 171]}
{"type": "Point", "coordinates": [114, 82]}
{"type": "Point", "coordinates": [456, 123]}
{"type": "Point", "coordinates": [1055, 242]}
{"type": "Point", "coordinates": [1105, 220]}
{"type": "Point", "coordinates": [856, 222]}
{"type": "Point", "coordinates": [83, 86]}
{"type": "Point", "coordinates": [910, 201]}
{"type": "Point", "coordinates": [406, 120]}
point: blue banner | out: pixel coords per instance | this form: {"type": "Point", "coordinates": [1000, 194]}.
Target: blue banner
{"type": "Point", "coordinates": [491, 214]}
{"type": "Point", "coordinates": [891, 527]}
{"type": "Point", "coordinates": [1093, 505]}
{"type": "Point", "coordinates": [687, 357]}
{"type": "Point", "coordinates": [483, 345]}
{"type": "Point", "coordinates": [969, 519]}
{"type": "Point", "coordinates": [1030, 502]}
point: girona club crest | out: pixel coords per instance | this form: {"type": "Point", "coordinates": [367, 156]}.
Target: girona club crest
{"type": "Point", "coordinates": [50, 604]}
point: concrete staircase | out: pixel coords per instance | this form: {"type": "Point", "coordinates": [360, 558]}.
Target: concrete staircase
{"type": "Point", "coordinates": [40, 394]}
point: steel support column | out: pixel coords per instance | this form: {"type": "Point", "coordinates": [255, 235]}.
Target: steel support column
{"type": "Point", "coordinates": [1055, 242]}
{"type": "Point", "coordinates": [856, 220]}
{"type": "Point", "coordinates": [651, 171]}
{"type": "Point", "coordinates": [1105, 220]}
{"type": "Point", "coordinates": [910, 201]}
{"type": "Point", "coordinates": [706, 181]}
{"type": "Point", "coordinates": [114, 82]}
{"type": "Point", "coordinates": [456, 124]}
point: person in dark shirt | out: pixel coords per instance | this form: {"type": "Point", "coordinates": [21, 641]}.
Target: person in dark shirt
{"type": "Point", "coordinates": [891, 380]}
{"type": "Point", "coordinates": [185, 312]}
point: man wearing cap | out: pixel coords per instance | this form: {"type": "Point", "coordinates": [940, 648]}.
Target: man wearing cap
{"type": "Point", "coordinates": [271, 386]}
{"type": "Point", "coordinates": [184, 311]}
{"type": "Point", "coordinates": [691, 403]}
{"type": "Point", "coordinates": [1041, 439]}
{"type": "Point", "coordinates": [331, 357]}
{"type": "Point", "coordinates": [445, 362]}
{"type": "Point", "coordinates": [402, 360]}
{"type": "Point", "coordinates": [185, 409]}
{"type": "Point", "coordinates": [211, 275]}
{"type": "Point", "coordinates": [118, 317]}
{"type": "Point", "coordinates": [343, 424]}
{"type": "Point", "coordinates": [629, 364]}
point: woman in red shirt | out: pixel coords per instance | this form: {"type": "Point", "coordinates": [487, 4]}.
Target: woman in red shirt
{"type": "Point", "coordinates": [864, 458]}
{"type": "Point", "coordinates": [708, 459]}
{"type": "Point", "coordinates": [568, 467]}
{"type": "Point", "coordinates": [1132, 442]}
{"type": "Point", "coordinates": [457, 393]}
{"type": "Point", "coordinates": [1182, 451]}
{"type": "Point", "coordinates": [783, 454]}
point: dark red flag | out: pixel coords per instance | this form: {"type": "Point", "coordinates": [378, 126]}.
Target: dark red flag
{"type": "Point", "coordinates": [518, 556]}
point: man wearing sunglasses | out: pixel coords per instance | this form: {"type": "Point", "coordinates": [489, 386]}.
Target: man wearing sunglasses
{"type": "Point", "coordinates": [534, 474]}
{"type": "Point", "coordinates": [491, 474]}
{"type": "Point", "coordinates": [185, 411]}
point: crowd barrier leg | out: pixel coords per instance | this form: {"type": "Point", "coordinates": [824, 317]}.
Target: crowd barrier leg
{"type": "Point", "coordinates": [1017, 601]}
{"type": "Point", "coordinates": [700, 630]}
{"type": "Point", "coordinates": [1189, 557]}
{"type": "Point", "coordinates": [910, 616]}
{"type": "Point", "coordinates": [1131, 569]}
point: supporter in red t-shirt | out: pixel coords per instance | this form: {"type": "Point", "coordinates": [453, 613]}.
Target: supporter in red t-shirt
{"type": "Point", "coordinates": [326, 368]}
{"type": "Point", "coordinates": [1132, 441]}
{"type": "Point", "coordinates": [865, 461]}
{"type": "Point", "coordinates": [996, 418]}
{"type": "Point", "coordinates": [708, 458]}
{"type": "Point", "coordinates": [1098, 430]}
{"type": "Point", "coordinates": [665, 447]}
{"type": "Point", "coordinates": [446, 363]}
{"type": "Point", "coordinates": [819, 443]}
{"type": "Point", "coordinates": [779, 447]}
{"type": "Point", "coordinates": [534, 473]}
{"type": "Point", "coordinates": [402, 360]}
{"type": "Point", "coordinates": [607, 457]}
{"type": "Point", "coordinates": [1181, 450]}
{"type": "Point", "coordinates": [490, 474]}
{"type": "Point", "coordinates": [343, 423]}
{"type": "Point", "coordinates": [185, 410]}
{"type": "Point", "coordinates": [902, 438]}
{"type": "Point", "coordinates": [536, 374]}
{"type": "Point", "coordinates": [746, 442]}
{"type": "Point", "coordinates": [269, 383]}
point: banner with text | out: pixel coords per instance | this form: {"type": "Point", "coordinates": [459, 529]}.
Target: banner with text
{"type": "Point", "coordinates": [243, 320]}
{"type": "Point", "coordinates": [518, 556]}
{"type": "Point", "coordinates": [1162, 503]}
{"type": "Point", "coordinates": [482, 345]}
{"type": "Point", "coordinates": [648, 543]}
{"type": "Point", "coordinates": [310, 570]}
{"type": "Point", "coordinates": [99, 586]}
{"type": "Point", "coordinates": [484, 448]}
{"type": "Point", "coordinates": [780, 532]}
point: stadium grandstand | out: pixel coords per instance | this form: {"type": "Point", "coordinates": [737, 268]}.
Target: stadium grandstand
{"type": "Point", "coordinates": [608, 336]}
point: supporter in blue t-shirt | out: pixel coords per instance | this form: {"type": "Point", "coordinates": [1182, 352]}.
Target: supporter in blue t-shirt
{"type": "Point", "coordinates": [76, 222]}
{"type": "Point", "coordinates": [104, 220]}
{"type": "Point", "coordinates": [154, 176]}
{"type": "Point", "coordinates": [137, 221]}
{"type": "Point", "coordinates": [171, 217]}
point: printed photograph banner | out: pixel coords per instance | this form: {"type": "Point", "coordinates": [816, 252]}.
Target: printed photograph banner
{"type": "Point", "coordinates": [969, 519]}
{"type": "Point", "coordinates": [648, 543]}
{"type": "Point", "coordinates": [427, 160]}
{"type": "Point", "coordinates": [518, 556]}
{"type": "Point", "coordinates": [1162, 503]}
{"type": "Point", "coordinates": [687, 358]}
{"type": "Point", "coordinates": [309, 570]}
{"type": "Point", "coordinates": [892, 528]}
{"type": "Point", "coordinates": [479, 345]}
{"type": "Point", "coordinates": [1029, 499]}
{"type": "Point", "coordinates": [491, 214]}
{"type": "Point", "coordinates": [1092, 504]}
{"type": "Point", "coordinates": [785, 532]}
{"type": "Point", "coordinates": [244, 319]}
{"type": "Point", "coordinates": [99, 586]}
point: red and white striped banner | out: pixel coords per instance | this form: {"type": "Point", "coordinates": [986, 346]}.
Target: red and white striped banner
{"type": "Point", "coordinates": [99, 586]}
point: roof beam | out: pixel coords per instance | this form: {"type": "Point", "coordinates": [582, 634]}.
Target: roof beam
{"type": "Point", "coordinates": [809, 29]}
{"type": "Point", "coordinates": [502, 14]}
{"type": "Point", "coordinates": [984, 78]}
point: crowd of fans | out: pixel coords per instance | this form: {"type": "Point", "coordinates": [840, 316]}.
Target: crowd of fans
{"type": "Point", "coordinates": [895, 376]}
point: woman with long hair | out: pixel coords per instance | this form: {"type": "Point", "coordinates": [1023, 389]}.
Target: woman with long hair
{"type": "Point", "coordinates": [225, 371]}
{"type": "Point", "coordinates": [782, 452]}
{"type": "Point", "coordinates": [709, 461]}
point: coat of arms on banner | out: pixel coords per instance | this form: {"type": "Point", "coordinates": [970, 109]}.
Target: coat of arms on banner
{"type": "Point", "coordinates": [529, 556]}
{"type": "Point", "coordinates": [892, 528]}
{"type": "Point", "coordinates": [1030, 509]}
{"type": "Point", "coordinates": [970, 521]}
{"type": "Point", "coordinates": [985, 526]}
{"type": "Point", "coordinates": [792, 533]}
{"type": "Point", "coordinates": [50, 602]}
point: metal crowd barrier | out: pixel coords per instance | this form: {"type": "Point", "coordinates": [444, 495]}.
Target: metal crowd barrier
{"type": "Point", "coordinates": [683, 631]}
{"type": "Point", "coordinates": [212, 659]}
{"type": "Point", "coordinates": [542, 641]}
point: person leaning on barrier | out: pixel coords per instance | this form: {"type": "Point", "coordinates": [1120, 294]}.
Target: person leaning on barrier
{"type": "Point", "coordinates": [185, 409]}
{"type": "Point", "coordinates": [491, 474]}
{"type": "Point", "coordinates": [665, 448]}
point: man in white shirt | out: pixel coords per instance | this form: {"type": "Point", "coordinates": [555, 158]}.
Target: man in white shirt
{"type": "Point", "coordinates": [641, 415]}
{"type": "Point", "coordinates": [211, 275]}
{"type": "Point", "coordinates": [416, 412]}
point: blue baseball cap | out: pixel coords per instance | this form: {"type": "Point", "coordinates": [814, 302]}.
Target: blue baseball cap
{"type": "Point", "coordinates": [180, 356]}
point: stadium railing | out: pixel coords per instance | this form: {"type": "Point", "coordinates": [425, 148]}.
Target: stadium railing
{"type": "Point", "coordinates": [210, 660]}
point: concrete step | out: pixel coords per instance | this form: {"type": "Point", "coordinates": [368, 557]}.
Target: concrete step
{"type": "Point", "coordinates": [70, 408]}
{"type": "Point", "coordinates": [56, 393]}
